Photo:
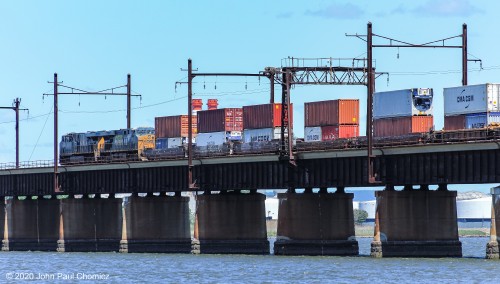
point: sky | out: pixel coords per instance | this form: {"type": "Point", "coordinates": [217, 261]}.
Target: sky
{"type": "Point", "coordinates": [93, 45]}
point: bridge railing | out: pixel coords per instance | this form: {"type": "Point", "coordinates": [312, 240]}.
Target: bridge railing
{"type": "Point", "coordinates": [27, 164]}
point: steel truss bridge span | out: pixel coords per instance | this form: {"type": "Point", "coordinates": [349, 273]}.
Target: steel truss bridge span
{"type": "Point", "coordinates": [440, 164]}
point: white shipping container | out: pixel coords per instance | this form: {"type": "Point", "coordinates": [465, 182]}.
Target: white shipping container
{"type": "Point", "coordinates": [174, 142]}
{"type": "Point", "coordinates": [211, 139]}
{"type": "Point", "coordinates": [471, 99]}
{"type": "Point", "coordinates": [261, 134]}
{"type": "Point", "coordinates": [481, 120]}
{"type": "Point", "coordinates": [407, 102]}
{"type": "Point", "coordinates": [312, 134]}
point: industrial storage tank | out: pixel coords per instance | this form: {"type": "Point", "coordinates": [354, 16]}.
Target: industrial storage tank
{"type": "Point", "coordinates": [473, 209]}
{"type": "Point", "coordinates": [407, 102]}
{"type": "Point", "coordinates": [369, 207]}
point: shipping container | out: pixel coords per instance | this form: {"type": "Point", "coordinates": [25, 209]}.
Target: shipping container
{"type": "Point", "coordinates": [407, 102]}
{"type": "Point", "coordinates": [333, 132]}
{"type": "Point", "coordinates": [471, 99]}
{"type": "Point", "coordinates": [482, 120]}
{"type": "Point", "coordinates": [395, 126]}
{"type": "Point", "coordinates": [175, 142]}
{"type": "Point", "coordinates": [211, 139]}
{"type": "Point", "coordinates": [161, 143]}
{"type": "Point", "coordinates": [312, 133]}
{"type": "Point", "coordinates": [330, 132]}
{"type": "Point", "coordinates": [331, 112]}
{"type": "Point", "coordinates": [264, 116]}
{"type": "Point", "coordinates": [261, 134]}
{"type": "Point", "coordinates": [454, 122]}
{"type": "Point", "coordinates": [219, 120]}
{"type": "Point", "coordinates": [173, 126]}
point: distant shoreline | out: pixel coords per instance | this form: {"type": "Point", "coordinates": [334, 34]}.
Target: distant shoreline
{"type": "Point", "coordinates": [366, 231]}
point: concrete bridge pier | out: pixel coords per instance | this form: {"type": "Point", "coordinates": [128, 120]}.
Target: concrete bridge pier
{"type": "Point", "coordinates": [316, 223]}
{"type": "Point", "coordinates": [231, 223]}
{"type": "Point", "coordinates": [416, 223]}
{"type": "Point", "coordinates": [156, 224]}
{"type": "Point", "coordinates": [90, 224]}
{"type": "Point", "coordinates": [31, 224]}
{"type": "Point", "coordinates": [492, 250]}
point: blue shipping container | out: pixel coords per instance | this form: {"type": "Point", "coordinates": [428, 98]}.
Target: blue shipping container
{"type": "Point", "coordinates": [481, 120]}
{"type": "Point", "coordinates": [161, 143]}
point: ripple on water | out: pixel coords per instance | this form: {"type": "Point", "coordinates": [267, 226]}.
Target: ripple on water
{"type": "Point", "coordinates": [161, 268]}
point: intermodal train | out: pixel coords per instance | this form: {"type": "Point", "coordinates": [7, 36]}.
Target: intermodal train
{"type": "Point", "coordinates": [108, 145]}
{"type": "Point", "coordinates": [139, 144]}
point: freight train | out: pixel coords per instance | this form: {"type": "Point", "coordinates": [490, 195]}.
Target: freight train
{"type": "Point", "coordinates": [106, 146]}
{"type": "Point", "coordinates": [102, 146]}
{"type": "Point", "coordinates": [329, 125]}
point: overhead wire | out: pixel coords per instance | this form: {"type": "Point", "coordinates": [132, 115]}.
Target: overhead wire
{"type": "Point", "coordinates": [40, 135]}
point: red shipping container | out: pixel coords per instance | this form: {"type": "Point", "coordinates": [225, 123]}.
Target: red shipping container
{"type": "Point", "coordinates": [339, 131]}
{"type": "Point", "coordinates": [264, 116]}
{"type": "Point", "coordinates": [224, 119]}
{"type": "Point", "coordinates": [332, 112]}
{"type": "Point", "coordinates": [454, 122]}
{"type": "Point", "coordinates": [173, 126]}
{"type": "Point", "coordinates": [396, 126]}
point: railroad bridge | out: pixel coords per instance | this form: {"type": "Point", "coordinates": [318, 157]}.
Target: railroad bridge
{"type": "Point", "coordinates": [415, 221]}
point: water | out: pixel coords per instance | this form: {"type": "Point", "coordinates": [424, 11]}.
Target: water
{"type": "Point", "coordinates": [168, 268]}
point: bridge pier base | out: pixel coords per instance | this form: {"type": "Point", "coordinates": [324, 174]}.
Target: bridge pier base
{"type": "Point", "coordinates": [31, 224]}
{"type": "Point", "coordinates": [157, 224]}
{"type": "Point", "coordinates": [416, 223]}
{"type": "Point", "coordinates": [316, 224]}
{"type": "Point", "coordinates": [231, 223]}
{"type": "Point", "coordinates": [492, 250]}
{"type": "Point", "coordinates": [90, 224]}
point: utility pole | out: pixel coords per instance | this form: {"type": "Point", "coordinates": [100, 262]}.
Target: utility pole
{"type": "Point", "coordinates": [191, 185]}
{"type": "Point", "coordinates": [369, 108]}
{"type": "Point", "coordinates": [395, 43]}
{"type": "Point", "coordinates": [16, 109]}
{"type": "Point", "coordinates": [191, 76]}
{"type": "Point", "coordinates": [129, 88]}
{"type": "Point", "coordinates": [464, 54]}
{"type": "Point", "coordinates": [56, 145]}
{"type": "Point", "coordinates": [76, 91]}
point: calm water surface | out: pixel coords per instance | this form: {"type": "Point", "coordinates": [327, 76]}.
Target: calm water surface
{"type": "Point", "coordinates": [166, 268]}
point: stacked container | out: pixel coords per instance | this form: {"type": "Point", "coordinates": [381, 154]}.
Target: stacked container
{"type": "Point", "coordinates": [474, 106]}
{"type": "Point", "coordinates": [402, 112]}
{"type": "Point", "coordinates": [330, 120]}
{"type": "Point", "coordinates": [263, 122]}
{"type": "Point", "coordinates": [216, 127]}
{"type": "Point", "coordinates": [172, 131]}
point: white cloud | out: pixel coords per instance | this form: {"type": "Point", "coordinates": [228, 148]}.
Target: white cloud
{"type": "Point", "coordinates": [447, 8]}
{"type": "Point", "coordinates": [338, 11]}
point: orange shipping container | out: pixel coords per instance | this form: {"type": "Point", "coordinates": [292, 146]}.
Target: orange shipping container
{"type": "Point", "coordinates": [264, 116]}
{"type": "Point", "coordinates": [173, 126]}
{"type": "Point", "coordinates": [332, 112]}
{"type": "Point", "coordinates": [339, 131]}
{"type": "Point", "coordinates": [395, 126]}
{"type": "Point", "coordinates": [224, 119]}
